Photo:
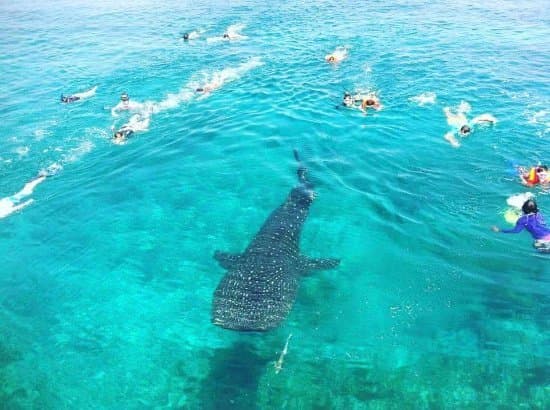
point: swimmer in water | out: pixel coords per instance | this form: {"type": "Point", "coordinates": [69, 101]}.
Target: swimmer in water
{"type": "Point", "coordinates": [462, 126]}
{"type": "Point", "coordinates": [339, 54]}
{"type": "Point", "coordinates": [126, 105]}
{"type": "Point", "coordinates": [465, 130]}
{"type": "Point", "coordinates": [78, 96]}
{"type": "Point", "coordinates": [13, 203]}
{"type": "Point", "coordinates": [533, 221]}
{"type": "Point", "coordinates": [214, 84]}
{"type": "Point", "coordinates": [204, 90]}
{"type": "Point", "coordinates": [370, 101]}
{"type": "Point", "coordinates": [186, 36]}
{"type": "Point", "coordinates": [348, 100]}
{"type": "Point", "coordinates": [535, 175]}
{"type": "Point", "coordinates": [122, 135]}
{"type": "Point", "coordinates": [361, 101]}
{"type": "Point", "coordinates": [136, 124]}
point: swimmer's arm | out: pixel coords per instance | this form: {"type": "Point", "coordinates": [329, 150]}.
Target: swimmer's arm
{"type": "Point", "coordinates": [520, 225]}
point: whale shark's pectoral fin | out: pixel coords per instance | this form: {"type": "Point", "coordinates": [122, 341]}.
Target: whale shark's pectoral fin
{"type": "Point", "coordinates": [227, 260]}
{"type": "Point", "coordinates": [312, 264]}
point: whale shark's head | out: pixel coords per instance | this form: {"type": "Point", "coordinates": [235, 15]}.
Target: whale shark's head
{"type": "Point", "coordinates": [302, 196]}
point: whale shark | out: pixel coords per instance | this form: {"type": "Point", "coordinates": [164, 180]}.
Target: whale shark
{"type": "Point", "coordinates": [259, 288]}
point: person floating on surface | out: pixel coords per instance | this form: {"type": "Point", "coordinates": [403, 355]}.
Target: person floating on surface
{"type": "Point", "coordinates": [361, 101]}
{"type": "Point", "coordinates": [461, 125]}
{"type": "Point", "coordinates": [137, 123]}
{"type": "Point", "coordinates": [533, 221]}
{"type": "Point", "coordinates": [339, 54]}
{"type": "Point", "coordinates": [126, 104]}
{"type": "Point", "coordinates": [535, 175]}
{"type": "Point", "coordinates": [78, 96]}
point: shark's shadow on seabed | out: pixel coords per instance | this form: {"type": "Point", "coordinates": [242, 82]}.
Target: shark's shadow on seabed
{"type": "Point", "coordinates": [232, 382]}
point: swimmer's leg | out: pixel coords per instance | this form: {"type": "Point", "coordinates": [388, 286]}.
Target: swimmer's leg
{"type": "Point", "coordinates": [7, 208]}
{"type": "Point", "coordinates": [450, 137]}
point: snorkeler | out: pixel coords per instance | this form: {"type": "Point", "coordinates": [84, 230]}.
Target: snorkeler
{"type": "Point", "coordinates": [137, 123]}
{"type": "Point", "coordinates": [339, 54]}
{"type": "Point", "coordinates": [348, 100]}
{"type": "Point", "coordinates": [13, 203]}
{"type": "Point", "coordinates": [122, 135]}
{"type": "Point", "coordinates": [370, 101]}
{"type": "Point", "coordinates": [204, 90]}
{"type": "Point", "coordinates": [460, 122]}
{"type": "Point", "coordinates": [535, 175]}
{"type": "Point", "coordinates": [214, 84]}
{"type": "Point", "coordinates": [361, 101]}
{"type": "Point", "coordinates": [533, 221]}
{"type": "Point", "coordinates": [78, 96]}
{"type": "Point", "coordinates": [126, 105]}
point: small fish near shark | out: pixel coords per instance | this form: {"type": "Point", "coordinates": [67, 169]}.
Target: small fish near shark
{"type": "Point", "coordinates": [260, 285]}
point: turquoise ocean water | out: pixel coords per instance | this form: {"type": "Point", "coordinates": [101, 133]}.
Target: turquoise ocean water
{"type": "Point", "coordinates": [106, 279]}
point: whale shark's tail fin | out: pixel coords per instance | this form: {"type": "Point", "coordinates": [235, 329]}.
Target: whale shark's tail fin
{"type": "Point", "coordinates": [301, 169]}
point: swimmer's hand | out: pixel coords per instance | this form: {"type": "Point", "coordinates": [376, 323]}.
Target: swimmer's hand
{"type": "Point", "coordinates": [495, 228]}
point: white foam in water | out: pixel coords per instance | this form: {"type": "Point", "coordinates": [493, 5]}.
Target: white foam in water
{"type": "Point", "coordinates": [424, 98]}
{"type": "Point", "coordinates": [22, 151]}
{"type": "Point", "coordinates": [76, 153]}
{"type": "Point", "coordinates": [464, 107]}
{"type": "Point", "coordinates": [11, 204]}
{"type": "Point", "coordinates": [86, 94]}
{"type": "Point", "coordinates": [340, 53]}
{"type": "Point", "coordinates": [195, 34]}
{"type": "Point", "coordinates": [211, 82]}
{"type": "Point", "coordinates": [51, 169]}
{"type": "Point", "coordinates": [541, 117]}
{"type": "Point", "coordinates": [484, 119]}
{"type": "Point", "coordinates": [517, 201]}
{"type": "Point", "coordinates": [41, 133]}
{"type": "Point", "coordinates": [219, 78]}
{"type": "Point", "coordinates": [171, 101]}
{"type": "Point", "coordinates": [233, 31]}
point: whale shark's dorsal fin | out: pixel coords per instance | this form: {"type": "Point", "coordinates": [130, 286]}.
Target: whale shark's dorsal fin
{"type": "Point", "coordinates": [227, 260]}
{"type": "Point", "coordinates": [309, 265]}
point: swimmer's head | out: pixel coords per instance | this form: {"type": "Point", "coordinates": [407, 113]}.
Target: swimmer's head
{"type": "Point", "coordinates": [370, 102]}
{"type": "Point", "coordinates": [124, 96]}
{"type": "Point", "coordinates": [226, 35]}
{"type": "Point", "coordinates": [465, 129]}
{"type": "Point", "coordinates": [348, 99]}
{"type": "Point", "coordinates": [331, 59]}
{"type": "Point", "coordinates": [529, 207]}
{"type": "Point", "coordinates": [186, 36]}
{"type": "Point", "coordinates": [118, 135]}
{"type": "Point", "coordinates": [64, 99]}
{"type": "Point", "coordinates": [200, 90]}
{"type": "Point", "coordinates": [542, 168]}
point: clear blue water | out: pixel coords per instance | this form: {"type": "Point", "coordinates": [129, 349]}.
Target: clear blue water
{"type": "Point", "coordinates": [106, 279]}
